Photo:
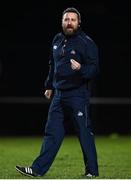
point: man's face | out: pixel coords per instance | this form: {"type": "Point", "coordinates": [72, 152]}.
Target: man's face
{"type": "Point", "coordinates": [70, 23]}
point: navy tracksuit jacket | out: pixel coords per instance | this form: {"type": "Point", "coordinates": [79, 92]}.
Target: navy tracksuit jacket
{"type": "Point", "coordinates": [70, 93]}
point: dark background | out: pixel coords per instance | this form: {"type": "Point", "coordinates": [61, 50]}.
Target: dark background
{"type": "Point", "coordinates": [26, 31]}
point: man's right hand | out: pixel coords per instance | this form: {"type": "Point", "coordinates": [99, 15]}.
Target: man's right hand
{"type": "Point", "coordinates": [48, 93]}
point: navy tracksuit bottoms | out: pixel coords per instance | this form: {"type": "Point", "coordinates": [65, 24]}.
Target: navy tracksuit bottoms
{"type": "Point", "coordinates": [77, 102]}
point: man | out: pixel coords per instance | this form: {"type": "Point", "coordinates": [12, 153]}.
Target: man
{"type": "Point", "coordinates": [73, 63]}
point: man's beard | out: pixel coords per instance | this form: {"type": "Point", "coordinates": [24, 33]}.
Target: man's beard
{"type": "Point", "coordinates": [69, 31]}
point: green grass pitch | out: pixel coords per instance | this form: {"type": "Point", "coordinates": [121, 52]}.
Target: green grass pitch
{"type": "Point", "coordinates": [114, 157]}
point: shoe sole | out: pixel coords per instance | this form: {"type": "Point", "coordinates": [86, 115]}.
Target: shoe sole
{"type": "Point", "coordinates": [23, 172]}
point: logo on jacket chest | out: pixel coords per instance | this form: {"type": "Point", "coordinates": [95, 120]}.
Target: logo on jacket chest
{"type": "Point", "coordinates": [73, 52]}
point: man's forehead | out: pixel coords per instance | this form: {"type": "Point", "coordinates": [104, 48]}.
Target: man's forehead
{"type": "Point", "coordinates": [70, 15]}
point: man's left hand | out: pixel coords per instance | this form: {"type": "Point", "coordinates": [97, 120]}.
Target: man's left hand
{"type": "Point", "coordinates": [75, 65]}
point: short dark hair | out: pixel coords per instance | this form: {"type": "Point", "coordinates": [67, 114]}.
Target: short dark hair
{"type": "Point", "coordinates": [74, 10]}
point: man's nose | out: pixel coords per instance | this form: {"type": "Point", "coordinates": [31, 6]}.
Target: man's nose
{"type": "Point", "coordinates": [69, 22]}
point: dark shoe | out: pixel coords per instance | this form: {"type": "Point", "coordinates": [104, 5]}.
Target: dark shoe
{"type": "Point", "coordinates": [27, 171]}
{"type": "Point", "coordinates": [90, 175]}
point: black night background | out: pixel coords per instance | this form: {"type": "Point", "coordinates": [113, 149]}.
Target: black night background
{"type": "Point", "coordinates": [26, 31]}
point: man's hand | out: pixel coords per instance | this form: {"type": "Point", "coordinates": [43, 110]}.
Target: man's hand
{"type": "Point", "coordinates": [75, 65]}
{"type": "Point", "coordinates": [48, 93]}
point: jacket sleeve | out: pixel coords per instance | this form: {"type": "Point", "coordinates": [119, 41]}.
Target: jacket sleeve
{"type": "Point", "coordinates": [49, 80]}
{"type": "Point", "coordinates": [90, 68]}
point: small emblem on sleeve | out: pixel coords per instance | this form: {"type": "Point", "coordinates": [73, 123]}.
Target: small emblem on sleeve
{"type": "Point", "coordinates": [54, 47]}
